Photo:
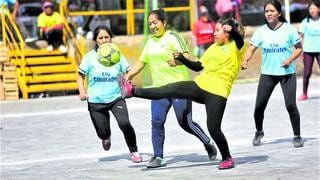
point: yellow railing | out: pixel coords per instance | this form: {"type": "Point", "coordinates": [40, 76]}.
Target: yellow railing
{"type": "Point", "coordinates": [130, 11]}
{"type": "Point", "coordinates": [78, 45]}
{"type": "Point", "coordinates": [16, 47]}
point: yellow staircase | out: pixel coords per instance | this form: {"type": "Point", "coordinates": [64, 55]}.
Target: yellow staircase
{"type": "Point", "coordinates": [38, 70]}
{"type": "Point", "coordinates": [45, 71]}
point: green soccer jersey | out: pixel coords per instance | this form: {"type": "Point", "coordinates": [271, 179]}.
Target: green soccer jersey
{"type": "Point", "coordinates": [158, 51]}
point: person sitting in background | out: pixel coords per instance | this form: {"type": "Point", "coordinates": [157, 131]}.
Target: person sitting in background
{"type": "Point", "coordinates": [202, 32]}
{"type": "Point", "coordinates": [51, 25]}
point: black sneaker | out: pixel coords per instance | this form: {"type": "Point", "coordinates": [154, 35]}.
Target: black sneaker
{"type": "Point", "coordinates": [156, 162]}
{"type": "Point", "coordinates": [257, 138]}
{"type": "Point", "coordinates": [297, 142]}
{"type": "Point", "coordinates": [211, 150]}
{"type": "Point", "coordinates": [106, 144]}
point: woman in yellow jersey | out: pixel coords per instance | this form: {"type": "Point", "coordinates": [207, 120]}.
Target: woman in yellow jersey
{"type": "Point", "coordinates": [219, 67]}
{"type": "Point", "coordinates": [157, 51]}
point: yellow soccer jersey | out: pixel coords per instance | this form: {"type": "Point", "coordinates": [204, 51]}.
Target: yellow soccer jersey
{"type": "Point", "coordinates": [221, 65]}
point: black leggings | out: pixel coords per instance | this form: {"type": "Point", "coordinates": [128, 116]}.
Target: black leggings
{"type": "Point", "coordinates": [99, 113]}
{"type": "Point", "coordinates": [214, 104]}
{"type": "Point", "coordinates": [266, 85]}
{"type": "Point", "coordinates": [54, 38]}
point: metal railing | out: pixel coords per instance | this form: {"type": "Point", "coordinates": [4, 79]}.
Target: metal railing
{"type": "Point", "coordinates": [130, 12]}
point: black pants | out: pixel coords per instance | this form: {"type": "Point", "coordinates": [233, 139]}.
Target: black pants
{"type": "Point", "coordinates": [215, 106]}
{"type": "Point", "coordinates": [100, 117]}
{"type": "Point", "coordinates": [53, 38]}
{"type": "Point", "coordinates": [266, 85]}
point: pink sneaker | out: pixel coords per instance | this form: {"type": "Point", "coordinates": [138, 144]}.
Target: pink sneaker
{"type": "Point", "coordinates": [125, 86]}
{"type": "Point", "coordinates": [303, 97]}
{"type": "Point", "coordinates": [226, 164]}
{"type": "Point", "coordinates": [135, 157]}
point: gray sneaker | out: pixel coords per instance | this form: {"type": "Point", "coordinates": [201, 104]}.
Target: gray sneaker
{"type": "Point", "coordinates": [211, 150]}
{"type": "Point", "coordinates": [257, 138]}
{"type": "Point", "coordinates": [156, 162]}
{"type": "Point", "coordinates": [297, 142]}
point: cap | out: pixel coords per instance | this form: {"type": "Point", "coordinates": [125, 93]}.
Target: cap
{"type": "Point", "coordinates": [47, 4]}
{"type": "Point", "coordinates": [203, 10]}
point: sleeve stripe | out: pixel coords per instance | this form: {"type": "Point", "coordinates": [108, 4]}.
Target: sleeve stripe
{"type": "Point", "coordinates": [181, 41]}
{"type": "Point", "coordinates": [81, 71]}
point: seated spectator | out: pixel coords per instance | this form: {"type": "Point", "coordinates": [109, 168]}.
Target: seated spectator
{"type": "Point", "coordinates": [51, 25]}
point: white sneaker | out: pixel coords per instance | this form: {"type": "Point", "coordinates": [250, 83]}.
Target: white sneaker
{"type": "Point", "coordinates": [63, 49]}
{"type": "Point", "coordinates": [50, 48]}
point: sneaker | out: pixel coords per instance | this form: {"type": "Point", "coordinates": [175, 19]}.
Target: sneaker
{"type": "Point", "coordinates": [156, 162]}
{"type": "Point", "coordinates": [63, 49]}
{"type": "Point", "coordinates": [226, 164]}
{"type": "Point", "coordinates": [297, 142]}
{"type": "Point", "coordinates": [50, 48]}
{"type": "Point", "coordinates": [303, 97]}
{"type": "Point", "coordinates": [125, 86]}
{"type": "Point", "coordinates": [257, 138]}
{"type": "Point", "coordinates": [135, 157]}
{"type": "Point", "coordinates": [211, 150]}
{"type": "Point", "coordinates": [106, 144]}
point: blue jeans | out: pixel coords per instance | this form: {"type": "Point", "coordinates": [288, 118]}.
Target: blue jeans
{"type": "Point", "coordinates": [183, 111]}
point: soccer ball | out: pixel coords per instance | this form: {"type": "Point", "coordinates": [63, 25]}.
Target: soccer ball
{"type": "Point", "coordinates": [108, 54]}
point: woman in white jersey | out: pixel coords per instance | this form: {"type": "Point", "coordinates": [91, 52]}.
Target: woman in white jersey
{"type": "Point", "coordinates": [310, 32]}
{"type": "Point", "coordinates": [276, 38]}
{"type": "Point", "coordinates": [104, 95]}
{"type": "Point", "coordinates": [157, 51]}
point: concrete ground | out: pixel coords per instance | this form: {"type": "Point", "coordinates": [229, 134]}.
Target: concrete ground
{"type": "Point", "coordinates": [53, 138]}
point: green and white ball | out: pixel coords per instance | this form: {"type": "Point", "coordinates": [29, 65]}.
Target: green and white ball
{"type": "Point", "coordinates": [108, 54]}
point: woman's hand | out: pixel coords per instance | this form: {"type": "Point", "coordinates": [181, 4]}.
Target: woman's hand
{"type": "Point", "coordinates": [286, 63]}
{"type": "Point", "coordinates": [244, 65]}
{"type": "Point", "coordinates": [227, 27]}
{"type": "Point", "coordinates": [172, 62]}
{"type": "Point", "coordinates": [83, 96]}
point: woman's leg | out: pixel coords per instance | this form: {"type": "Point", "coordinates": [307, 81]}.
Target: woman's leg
{"type": "Point", "coordinates": [215, 106]}
{"type": "Point", "coordinates": [120, 112]}
{"type": "Point", "coordinates": [183, 111]}
{"type": "Point", "coordinates": [318, 58]}
{"type": "Point", "coordinates": [289, 86]}
{"type": "Point", "coordinates": [159, 111]}
{"type": "Point", "coordinates": [101, 120]}
{"type": "Point", "coordinates": [265, 88]}
{"type": "Point", "coordinates": [308, 59]}
{"type": "Point", "coordinates": [181, 90]}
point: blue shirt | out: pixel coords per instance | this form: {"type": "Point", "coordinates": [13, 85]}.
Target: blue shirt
{"type": "Point", "coordinates": [6, 2]}
{"type": "Point", "coordinates": [276, 48]}
{"type": "Point", "coordinates": [102, 81]}
{"type": "Point", "coordinates": [311, 35]}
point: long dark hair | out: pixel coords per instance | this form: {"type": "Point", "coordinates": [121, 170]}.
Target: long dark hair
{"type": "Point", "coordinates": [312, 3]}
{"type": "Point", "coordinates": [278, 6]}
{"type": "Point", "coordinates": [161, 16]}
{"type": "Point", "coordinates": [160, 13]}
{"type": "Point", "coordinates": [97, 31]}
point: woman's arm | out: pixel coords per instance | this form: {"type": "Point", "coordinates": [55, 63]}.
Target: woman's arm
{"type": "Point", "coordinates": [193, 65]}
{"type": "Point", "coordinates": [80, 83]}
{"type": "Point", "coordinates": [296, 53]}
{"type": "Point", "coordinates": [249, 53]}
{"type": "Point", "coordinates": [136, 68]}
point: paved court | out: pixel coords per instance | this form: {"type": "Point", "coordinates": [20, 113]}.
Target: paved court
{"type": "Point", "coordinates": [53, 138]}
